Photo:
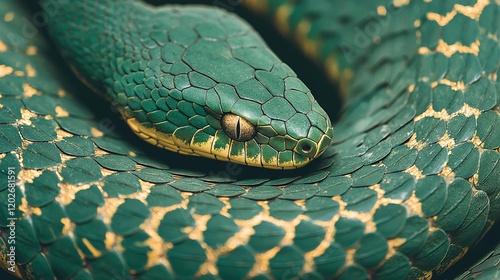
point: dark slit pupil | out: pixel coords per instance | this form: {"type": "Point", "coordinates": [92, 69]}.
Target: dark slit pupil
{"type": "Point", "coordinates": [238, 132]}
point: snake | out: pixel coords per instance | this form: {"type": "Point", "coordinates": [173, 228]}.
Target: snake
{"type": "Point", "coordinates": [245, 177]}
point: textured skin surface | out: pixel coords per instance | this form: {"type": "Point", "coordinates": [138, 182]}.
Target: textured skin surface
{"type": "Point", "coordinates": [178, 70]}
{"type": "Point", "coordinates": [487, 267]}
{"type": "Point", "coordinates": [410, 183]}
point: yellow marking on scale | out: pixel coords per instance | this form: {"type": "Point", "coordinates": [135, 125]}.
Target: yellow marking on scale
{"type": "Point", "coordinates": [414, 205]}
{"type": "Point", "coordinates": [32, 50]}
{"type": "Point", "coordinates": [205, 145]}
{"type": "Point", "coordinates": [240, 237]}
{"type": "Point", "coordinates": [96, 132]}
{"type": "Point", "coordinates": [30, 70]}
{"type": "Point", "coordinates": [332, 68]}
{"type": "Point", "coordinates": [8, 16]}
{"type": "Point", "coordinates": [271, 162]}
{"type": "Point", "coordinates": [252, 160]}
{"type": "Point", "coordinates": [393, 244]}
{"type": "Point", "coordinates": [381, 11]}
{"type": "Point", "coordinates": [3, 46]}
{"type": "Point", "coordinates": [447, 141]}
{"type": "Point", "coordinates": [36, 210]}
{"type": "Point", "coordinates": [465, 110]}
{"type": "Point", "coordinates": [28, 175]}
{"type": "Point", "coordinates": [196, 232]}
{"type": "Point", "coordinates": [221, 152]}
{"type": "Point", "coordinates": [155, 242]}
{"type": "Point", "coordinates": [259, 6]}
{"type": "Point", "coordinates": [68, 191]}
{"type": "Point", "coordinates": [110, 239]}
{"type": "Point", "coordinates": [108, 210]}
{"type": "Point", "coordinates": [5, 70]}
{"type": "Point", "coordinates": [473, 12]}
{"type": "Point", "coordinates": [93, 250]}
{"type": "Point", "coordinates": [415, 172]}
{"type": "Point", "coordinates": [26, 117]}
{"type": "Point", "coordinates": [237, 156]}
{"type": "Point", "coordinates": [447, 174]}
{"type": "Point", "coordinates": [281, 18]}
{"type": "Point", "coordinates": [67, 225]}
{"type": "Point", "coordinates": [440, 19]}
{"type": "Point", "coordinates": [224, 211]}
{"type": "Point", "coordinates": [29, 91]}
{"type": "Point", "coordinates": [24, 207]}
{"type": "Point", "coordinates": [400, 3]}
{"type": "Point", "coordinates": [310, 47]}
{"type": "Point", "coordinates": [459, 85]}
{"type": "Point", "coordinates": [449, 50]}
{"type": "Point", "coordinates": [327, 241]}
{"type": "Point", "coordinates": [61, 92]}
{"type": "Point", "coordinates": [60, 112]}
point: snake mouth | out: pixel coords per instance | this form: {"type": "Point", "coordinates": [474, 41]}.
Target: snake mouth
{"type": "Point", "coordinates": [251, 152]}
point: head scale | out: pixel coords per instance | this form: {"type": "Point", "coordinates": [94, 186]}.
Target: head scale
{"type": "Point", "coordinates": [226, 96]}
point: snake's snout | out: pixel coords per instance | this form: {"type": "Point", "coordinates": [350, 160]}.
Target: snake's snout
{"type": "Point", "coordinates": [315, 143]}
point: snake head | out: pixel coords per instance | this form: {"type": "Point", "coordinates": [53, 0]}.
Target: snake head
{"type": "Point", "coordinates": [280, 128]}
{"type": "Point", "coordinates": [271, 120]}
{"type": "Point", "coordinates": [225, 96]}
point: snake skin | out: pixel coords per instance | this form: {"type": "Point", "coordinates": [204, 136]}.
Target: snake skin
{"type": "Point", "coordinates": [409, 185]}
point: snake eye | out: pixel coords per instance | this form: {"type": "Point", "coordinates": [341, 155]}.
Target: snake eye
{"type": "Point", "coordinates": [237, 128]}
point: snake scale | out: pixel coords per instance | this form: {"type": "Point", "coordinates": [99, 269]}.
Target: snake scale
{"type": "Point", "coordinates": [408, 184]}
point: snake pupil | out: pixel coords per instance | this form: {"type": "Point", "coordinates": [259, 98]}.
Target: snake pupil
{"type": "Point", "coordinates": [238, 128]}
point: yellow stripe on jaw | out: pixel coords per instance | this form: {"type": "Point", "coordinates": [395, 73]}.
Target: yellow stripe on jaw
{"type": "Point", "coordinates": [205, 149]}
{"type": "Point", "coordinates": [221, 153]}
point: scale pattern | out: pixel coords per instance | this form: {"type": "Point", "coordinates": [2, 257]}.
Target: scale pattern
{"type": "Point", "coordinates": [409, 185]}
{"type": "Point", "coordinates": [152, 63]}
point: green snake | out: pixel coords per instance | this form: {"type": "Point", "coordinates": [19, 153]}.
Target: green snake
{"type": "Point", "coordinates": [406, 186]}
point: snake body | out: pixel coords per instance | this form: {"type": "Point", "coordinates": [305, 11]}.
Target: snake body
{"type": "Point", "coordinates": [408, 185]}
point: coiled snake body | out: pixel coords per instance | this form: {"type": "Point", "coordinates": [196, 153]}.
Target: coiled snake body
{"type": "Point", "coordinates": [408, 183]}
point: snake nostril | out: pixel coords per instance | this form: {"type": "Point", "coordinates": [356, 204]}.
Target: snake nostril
{"type": "Point", "coordinates": [306, 148]}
